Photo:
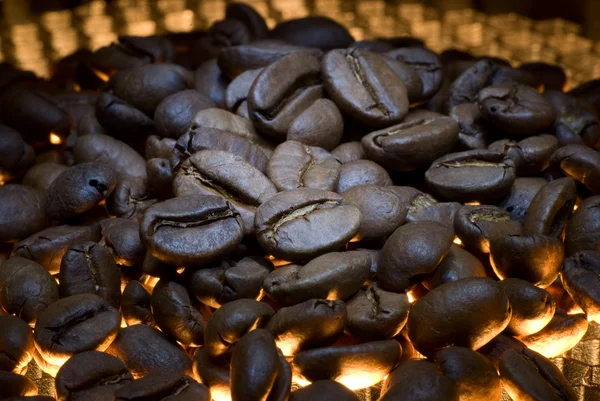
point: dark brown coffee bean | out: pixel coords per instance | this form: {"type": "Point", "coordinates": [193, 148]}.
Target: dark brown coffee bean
{"type": "Point", "coordinates": [469, 313]}
{"type": "Point", "coordinates": [583, 228]}
{"type": "Point", "coordinates": [310, 324]}
{"type": "Point", "coordinates": [121, 120]}
{"type": "Point", "coordinates": [527, 375]}
{"type": "Point", "coordinates": [184, 231]}
{"type": "Point", "coordinates": [78, 189]}
{"type": "Point", "coordinates": [553, 77]}
{"type": "Point", "coordinates": [122, 238]}
{"type": "Point", "coordinates": [531, 155]}
{"type": "Point", "coordinates": [550, 208]}
{"type": "Point", "coordinates": [532, 307]}
{"type": "Point", "coordinates": [349, 152]}
{"type": "Point", "coordinates": [15, 154]}
{"type": "Point", "coordinates": [471, 175]}
{"type": "Point", "coordinates": [581, 163]}
{"type": "Point", "coordinates": [22, 212]}
{"type": "Point", "coordinates": [26, 288]}
{"type": "Point", "coordinates": [75, 324]}
{"type": "Point", "coordinates": [466, 87]}
{"type": "Point", "coordinates": [144, 349]}
{"type": "Point", "coordinates": [160, 178]}
{"type": "Point", "coordinates": [456, 265]}
{"type": "Point", "coordinates": [174, 114]}
{"type": "Point", "coordinates": [575, 123]}
{"type": "Point", "coordinates": [211, 82]}
{"type": "Point", "coordinates": [42, 175]}
{"type": "Point", "coordinates": [297, 214]}
{"type": "Point", "coordinates": [214, 373]}
{"type": "Point", "coordinates": [136, 304]}
{"type": "Point", "coordinates": [362, 172]}
{"type": "Point", "coordinates": [89, 268]}
{"type": "Point", "coordinates": [522, 192]}
{"type": "Point", "coordinates": [320, 32]}
{"type": "Point", "coordinates": [119, 56]}
{"type": "Point", "coordinates": [91, 375]}
{"type": "Point", "coordinates": [474, 375]}
{"type": "Point", "coordinates": [380, 209]}
{"type": "Point", "coordinates": [378, 358]}
{"type": "Point", "coordinates": [534, 258]}
{"type": "Point", "coordinates": [89, 124]}
{"type": "Point", "coordinates": [324, 389]}
{"type": "Point", "coordinates": [559, 336]}
{"type": "Point", "coordinates": [216, 286]}
{"type": "Point", "coordinates": [159, 147]}
{"type": "Point", "coordinates": [321, 124]}
{"type": "Point", "coordinates": [473, 128]}
{"type": "Point", "coordinates": [48, 246]}
{"type": "Point", "coordinates": [364, 87]}
{"type": "Point", "coordinates": [129, 200]}
{"type": "Point", "coordinates": [157, 386]}
{"type": "Point", "coordinates": [477, 225]}
{"type": "Point", "coordinates": [376, 314]}
{"type": "Point", "coordinates": [507, 75]}
{"type": "Point", "coordinates": [335, 275]}
{"type": "Point", "coordinates": [409, 77]}
{"type": "Point", "coordinates": [229, 32]}
{"type": "Point", "coordinates": [237, 90]}
{"type": "Point", "coordinates": [411, 144]}
{"type": "Point", "coordinates": [418, 380]}
{"type": "Point", "coordinates": [424, 207]}
{"type": "Point", "coordinates": [16, 344]}
{"type": "Point", "coordinates": [580, 277]}
{"type": "Point", "coordinates": [14, 385]}
{"type": "Point", "coordinates": [412, 250]}
{"type": "Point", "coordinates": [427, 65]}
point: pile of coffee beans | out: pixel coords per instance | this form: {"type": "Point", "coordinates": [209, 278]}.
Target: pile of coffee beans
{"type": "Point", "coordinates": [249, 214]}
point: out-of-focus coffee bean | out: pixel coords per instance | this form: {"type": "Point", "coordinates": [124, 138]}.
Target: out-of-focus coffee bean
{"type": "Point", "coordinates": [22, 212]}
{"type": "Point", "coordinates": [16, 344]}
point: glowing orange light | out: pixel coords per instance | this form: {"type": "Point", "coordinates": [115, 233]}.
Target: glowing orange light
{"type": "Point", "coordinates": [411, 297]}
{"type": "Point", "coordinates": [278, 262]}
{"type": "Point", "coordinates": [457, 241]}
{"type": "Point", "coordinates": [356, 238]}
{"type": "Point", "coordinates": [77, 88]}
{"type": "Point", "coordinates": [55, 139]}
{"type": "Point", "coordinates": [474, 203]}
{"type": "Point", "coordinates": [101, 75]}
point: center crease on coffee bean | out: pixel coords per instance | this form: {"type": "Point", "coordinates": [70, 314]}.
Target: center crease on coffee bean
{"type": "Point", "coordinates": [361, 78]}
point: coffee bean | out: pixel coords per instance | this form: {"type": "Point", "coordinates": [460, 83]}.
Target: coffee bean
{"type": "Point", "coordinates": [22, 212]}
{"type": "Point", "coordinates": [299, 213]}
{"type": "Point", "coordinates": [16, 344]}
{"type": "Point", "coordinates": [580, 278]}
{"type": "Point", "coordinates": [355, 79]}
{"type": "Point", "coordinates": [320, 32]}
{"type": "Point", "coordinates": [587, 92]}
{"type": "Point", "coordinates": [321, 124]}
{"type": "Point", "coordinates": [136, 304]}
{"type": "Point", "coordinates": [20, 278]}
{"type": "Point", "coordinates": [15, 154]}
{"type": "Point", "coordinates": [229, 32]}
{"type": "Point", "coordinates": [14, 385]}
{"type": "Point", "coordinates": [238, 89]}
{"type": "Point", "coordinates": [362, 172]}
{"type": "Point", "coordinates": [521, 193]}
{"type": "Point", "coordinates": [158, 386]}
{"type": "Point", "coordinates": [581, 163]}
{"type": "Point", "coordinates": [532, 307]}
{"type": "Point", "coordinates": [335, 275]}
{"type": "Point", "coordinates": [378, 358]}
{"type": "Point", "coordinates": [583, 229]}
{"type": "Point", "coordinates": [471, 175]}
{"type": "Point", "coordinates": [465, 87]}
{"type": "Point", "coordinates": [122, 238]}
{"type": "Point", "coordinates": [474, 130]}
{"type": "Point", "coordinates": [184, 230]}
{"type": "Point", "coordinates": [159, 147]}
{"type": "Point", "coordinates": [211, 82]}
{"type": "Point", "coordinates": [310, 324]}
{"type": "Point", "coordinates": [559, 336]}
{"type": "Point", "coordinates": [325, 389]}
{"type": "Point", "coordinates": [575, 123]}
{"type": "Point", "coordinates": [531, 155]}
{"type": "Point", "coordinates": [553, 77]}
{"type": "Point", "coordinates": [479, 304]}
{"type": "Point", "coordinates": [160, 178]}
{"type": "Point", "coordinates": [424, 207]}
{"type": "Point", "coordinates": [248, 15]}
{"type": "Point", "coordinates": [456, 265]}
{"type": "Point", "coordinates": [427, 65]}
{"type": "Point", "coordinates": [42, 175]}
{"type": "Point", "coordinates": [174, 114]}
{"type": "Point", "coordinates": [550, 208]}
{"type": "Point", "coordinates": [91, 375]}
{"type": "Point", "coordinates": [349, 152]}
{"type": "Point", "coordinates": [412, 250]}
{"type": "Point", "coordinates": [121, 120]}
{"type": "Point", "coordinates": [409, 77]}
{"type": "Point", "coordinates": [214, 373]}
{"type": "Point", "coordinates": [129, 199]}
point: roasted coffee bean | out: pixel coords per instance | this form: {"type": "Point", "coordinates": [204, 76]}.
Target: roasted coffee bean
{"type": "Point", "coordinates": [256, 352]}
{"type": "Point", "coordinates": [559, 336]}
{"type": "Point", "coordinates": [232, 321]}
{"type": "Point", "coordinates": [136, 304]}
{"type": "Point", "coordinates": [26, 288]}
{"type": "Point", "coordinates": [581, 163]}
{"type": "Point", "coordinates": [238, 89]}
{"type": "Point", "coordinates": [75, 324]}
{"type": "Point", "coordinates": [160, 178]}
{"type": "Point", "coordinates": [229, 281]}
{"type": "Point", "coordinates": [320, 32]}
{"type": "Point", "coordinates": [506, 75]}
{"type": "Point", "coordinates": [14, 385]}
{"type": "Point", "coordinates": [234, 60]}
{"type": "Point", "coordinates": [349, 152]}
{"type": "Point", "coordinates": [412, 144]}
{"type": "Point", "coordinates": [318, 168]}
{"type": "Point", "coordinates": [587, 92]}
{"type": "Point", "coordinates": [466, 87]}
{"type": "Point", "coordinates": [16, 344]}
{"type": "Point", "coordinates": [373, 46]}
{"type": "Point", "coordinates": [583, 228]}
{"type": "Point", "coordinates": [424, 207]}
{"type": "Point", "coordinates": [521, 194]}
{"type": "Point", "coordinates": [129, 200]}
{"type": "Point", "coordinates": [213, 373]}
{"type": "Point", "coordinates": [473, 128]}
{"type": "Point", "coordinates": [118, 56]}
{"type": "Point", "coordinates": [580, 277]}
{"type": "Point", "coordinates": [89, 268]}
{"type": "Point", "coordinates": [553, 77]}
{"type": "Point", "coordinates": [476, 175]}
{"type": "Point", "coordinates": [380, 209]}
{"type": "Point", "coordinates": [146, 86]}
{"type": "Point", "coordinates": [121, 120]}
{"type": "Point", "coordinates": [310, 324]}
{"type": "Point", "coordinates": [375, 314]}
{"type": "Point", "coordinates": [474, 375]}
{"type": "Point", "coordinates": [229, 32]}
{"type": "Point", "coordinates": [532, 307]}
{"type": "Point", "coordinates": [144, 349]}
{"type": "Point", "coordinates": [477, 225]}
{"type": "Point", "coordinates": [78, 189]}
{"type": "Point", "coordinates": [282, 91]}
{"type": "Point", "coordinates": [456, 265]}
{"type": "Point", "coordinates": [125, 161]}
{"type": "Point", "coordinates": [362, 172]}
{"type": "Point", "coordinates": [175, 314]}
{"type": "Point", "coordinates": [551, 208]}
{"type": "Point", "coordinates": [16, 155]}
{"type": "Point", "coordinates": [414, 249]}
{"type": "Point", "coordinates": [531, 155]}
{"type": "Point", "coordinates": [174, 114]}
{"type": "Point", "coordinates": [191, 229]}
{"type": "Point", "coordinates": [468, 313]}
{"type": "Point", "coordinates": [418, 380]}
{"type": "Point", "coordinates": [89, 124]}
{"type": "Point", "coordinates": [48, 246]}
{"type": "Point", "coordinates": [321, 124]}
{"type": "Point", "coordinates": [248, 15]}
{"type": "Point", "coordinates": [157, 386]}
{"type": "Point", "coordinates": [527, 375]}
{"type": "Point", "coordinates": [211, 82]}
{"type": "Point", "coordinates": [427, 65]}
{"type": "Point", "coordinates": [215, 172]}
{"type": "Point", "coordinates": [22, 212]}
{"type": "Point", "coordinates": [575, 123]}
{"type": "Point", "coordinates": [91, 375]}
{"type": "Point", "coordinates": [409, 77]}
{"type": "Point", "coordinates": [42, 175]}
{"type": "Point", "coordinates": [300, 213]}
{"type": "Point", "coordinates": [534, 258]}
{"type": "Point", "coordinates": [324, 389]}
{"type": "Point", "coordinates": [122, 238]}
{"type": "Point", "coordinates": [335, 275]}
{"type": "Point", "coordinates": [364, 87]}
{"type": "Point", "coordinates": [159, 147]}
{"type": "Point", "coordinates": [377, 359]}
